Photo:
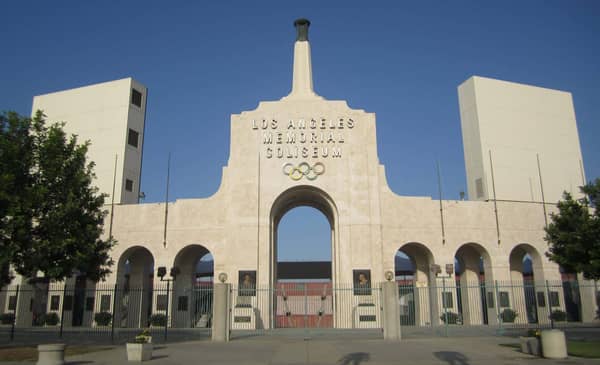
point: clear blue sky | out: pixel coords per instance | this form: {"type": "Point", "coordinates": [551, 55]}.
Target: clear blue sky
{"type": "Point", "coordinates": [203, 61]}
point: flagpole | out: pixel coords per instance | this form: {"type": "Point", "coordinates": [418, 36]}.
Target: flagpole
{"type": "Point", "coordinates": [112, 197]}
{"type": "Point", "coordinates": [494, 191]}
{"type": "Point", "coordinates": [167, 200]}
{"type": "Point", "coordinates": [441, 205]}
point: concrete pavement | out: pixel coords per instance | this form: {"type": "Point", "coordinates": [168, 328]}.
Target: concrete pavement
{"type": "Point", "coordinates": [286, 350]}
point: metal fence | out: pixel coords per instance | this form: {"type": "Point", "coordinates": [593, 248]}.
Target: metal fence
{"type": "Point", "coordinates": [110, 313]}
{"type": "Point", "coordinates": [305, 305]}
{"type": "Point", "coordinates": [451, 306]}
{"type": "Point", "coordinates": [36, 313]}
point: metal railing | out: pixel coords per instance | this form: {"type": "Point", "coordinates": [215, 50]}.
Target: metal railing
{"type": "Point", "coordinates": [33, 313]}
{"type": "Point", "coordinates": [458, 306]}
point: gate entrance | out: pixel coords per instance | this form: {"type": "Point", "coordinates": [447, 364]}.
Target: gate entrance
{"type": "Point", "coordinates": [304, 305]}
{"type": "Point", "coordinates": [303, 226]}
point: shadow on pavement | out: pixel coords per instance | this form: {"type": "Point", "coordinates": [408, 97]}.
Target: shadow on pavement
{"type": "Point", "coordinates": [355, 358]}
{"type": "Point", "coordinates": [452, 357]}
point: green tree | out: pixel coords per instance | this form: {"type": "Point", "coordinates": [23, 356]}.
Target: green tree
{"type": "Point", "coordinates": [51, 216]}
{"type": "Point", "coordinates": [574, 233]}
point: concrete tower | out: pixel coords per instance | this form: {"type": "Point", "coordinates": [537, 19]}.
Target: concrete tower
{"type": "Point", "coordinates": [111, 115]}
{"type": "Point", "coordinates": [521, 140]}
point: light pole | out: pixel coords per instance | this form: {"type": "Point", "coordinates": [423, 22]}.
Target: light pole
{"type": "Point", "coordinates": [162, 271]}
{"type": "Point", "coordinates": [436, 270]}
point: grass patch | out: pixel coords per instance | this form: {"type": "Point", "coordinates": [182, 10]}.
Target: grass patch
{"type": "Point", "coordinates": [587, 349]}
{"type": "Point", "coordinates": [29, 353]}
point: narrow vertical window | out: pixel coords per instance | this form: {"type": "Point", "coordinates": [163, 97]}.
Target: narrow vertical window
{"type": "Point", "coordinates": [133, 138]}
{"type": "Point", "coordinates": [136, 98]}
{"type": "Point", "coordinates": [128, 185]}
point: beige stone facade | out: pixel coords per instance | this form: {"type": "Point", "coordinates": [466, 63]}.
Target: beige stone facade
{"type": "Point", "coordinates": [305, 150]}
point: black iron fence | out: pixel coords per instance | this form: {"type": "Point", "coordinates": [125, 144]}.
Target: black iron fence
{"type": "Point", "coordinates": [110, 313]}
{"type": "Point", "coordinates": [42, 312]}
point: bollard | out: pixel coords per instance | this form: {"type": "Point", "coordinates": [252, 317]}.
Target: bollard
{"type": "Point", "coordinates": [220, 323]}
{"type": "Point", "coordinates": [554, 344]}
{"type": "Point", "coordinates": [51, 354]}
{"type": "Point", "coordinates": [391, 311]}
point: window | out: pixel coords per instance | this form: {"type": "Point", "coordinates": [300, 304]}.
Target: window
{"type": "Point", "coordinates": [133, 138]}
{"type": "Point", "coordinates": [128, 185]}
{"type": "Point", "coordinates": [490, 299]}
{"type": "Point", "coordinates": [54, 302]}
{"type": "Point", "coordinates": [136, 98]}
{"type": "Point", "coordinates": [12, 303]}
{"type": "Point", "coordinates": [447, 301]}
{"type": "Point", "coordinates": [504, 302]}
{"type": "Point", "coordinates": [554, 302]}
{"type": "Point", "coordinates": [105, 303]}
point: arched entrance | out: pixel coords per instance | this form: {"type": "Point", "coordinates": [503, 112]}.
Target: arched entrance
{"type": "Point", "coordinates": [530, 291]}
{"type": "Point", "coordinates": [412, 262]}
{"type": "Point", "coordinates": [475, 290]}
{"type": "Point", "coordinates": [135, 272]}
{"type": "Point", "coordinates": [303, 290]}
{"type": "Point", "coordinates": [192, 289]}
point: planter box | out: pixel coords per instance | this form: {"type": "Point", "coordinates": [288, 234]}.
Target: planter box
{"type": "Point", "coordinates": [531, 345]}
{"type": "Point", "coordinates": [139, 351]}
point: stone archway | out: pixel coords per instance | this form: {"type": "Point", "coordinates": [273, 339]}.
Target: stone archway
{"type": "Point", "coordinates": [529, 297]}
{"type": "Point", "coordinates": [415, 284]}
{"type": "Point", "coordinates": [135, 271]}
{"type": "Point", "coordinates": [310, 304]}
{"type": "Point", "coordinates": [475, 286]}
{"type": "Point", "coordinates": [192, 294]}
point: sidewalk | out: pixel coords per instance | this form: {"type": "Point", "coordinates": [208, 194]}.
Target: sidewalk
{"type": "Point", "coordinates": [289, 350]}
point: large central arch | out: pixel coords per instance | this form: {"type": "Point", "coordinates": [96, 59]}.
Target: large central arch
{"type": "Point", "coordinates": [297, 196]}
{"type": "Point", "coordinates": [318, 298]}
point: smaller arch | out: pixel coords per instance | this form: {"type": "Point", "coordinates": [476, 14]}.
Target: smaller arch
{"type": "Point", "coordinates": [135, 266]}
{"type": "Point", "coordinates": [517, 257]}
{"type": "Point", "coordinates": [474, 257]}
{"type": "Point", "coordinates": [135, 272]}
{"type": "Point", "coordinates": [421, 258]}
{"type": "Point", "coordinates": [473, 280]}
{"type": "Point", "coordinates": [191, 296]}
{"type": "Point", "coordinates": [187, 261]}
{"type": "Point", "coordinates": [414, 280]}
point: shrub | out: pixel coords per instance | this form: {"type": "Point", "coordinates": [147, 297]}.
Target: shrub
{"type": "Point", "coordinates": [558, 315]}
{"type": "Point", "coordinates": [143, 337]}
{"type": "Point", "coordinates": [51, 319]}
{"type": "Point", "coordinates": [158, 320]}
{"type": "Point", "coordinates": [450, 317]}
{"type": "Point", "coordinates": [7, 318]}
{"type": "Point", "coordinates": [508, 315]}
{"type": "Point", "coordinates": [102, 318]}
{"type": "Point", "coordinates": [534, 333]}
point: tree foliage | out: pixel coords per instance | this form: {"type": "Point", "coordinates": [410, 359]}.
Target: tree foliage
{"type": "Point", "coordinates": [574, 233]}
{"type": "Point", "coordinates": [51, 215]}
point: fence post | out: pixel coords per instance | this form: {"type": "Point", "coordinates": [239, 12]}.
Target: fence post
{"type": "Point", "coordinates": [391, 311]}
{"type": "Point", "coordinates": [549, 305]}
{"type": "Point", "coordinates": [498, 316]}
{"type": "Point", "coordinates": [167, 309]}
{"type": "Point", "coordinates": [12, 329]}
{"type": "Point", "coordinates": [114, 318]}
{"type": "Point", "coordinates": [62, 309]}
{"type": "Point", "coordinates": [220, 331]}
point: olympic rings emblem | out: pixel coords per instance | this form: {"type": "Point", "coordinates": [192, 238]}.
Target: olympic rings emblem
{"type": "Point", "coordinates": [303, 169]}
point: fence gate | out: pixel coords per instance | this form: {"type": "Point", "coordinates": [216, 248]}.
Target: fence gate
{"type": "Point", "coordinates": [303, 305]}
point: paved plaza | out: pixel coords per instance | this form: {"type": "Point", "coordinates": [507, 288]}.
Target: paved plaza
{"type": "Point", "coordinates": [297, 349]}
